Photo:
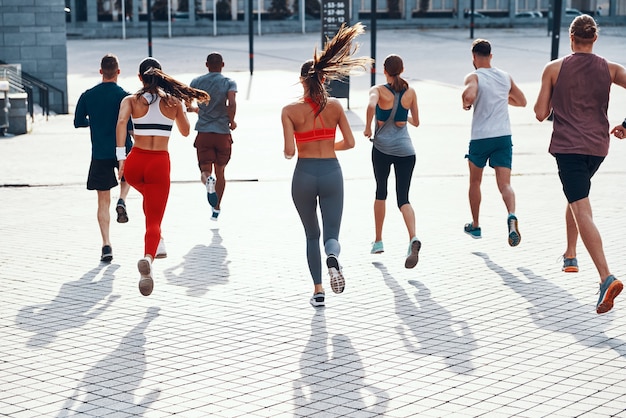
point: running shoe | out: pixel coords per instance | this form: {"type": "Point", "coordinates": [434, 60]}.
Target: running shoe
{"type": "Point", "coordinates": [377, 247]}
{"type": "Point", "coordinates": [608, 292]}
{"type": "Point", "coordinates": [215, 214]}
{"type": "Point", "coordinates": [318, 299]}
{"type": "Point", "coordinates": [570, 265]}
{"type": "Point", "coordinates": [514, 235]}
{"type": "Point", "coordinates": [337, 281]}
{"type": "Point", "coordinates": [210, 191]}
{"type": "Point", "coordinates": [413, 253]}
{"type": "Point", "coordinates": [146, 284]}
{"type": "Point", "coordinates": [107, 254]}
{"type": "Point", "coordinates": [472, 231]}
{"type": "Point", "coordinates": [161, 252]}
{"type": "Point", "coordinates": [122, 215]}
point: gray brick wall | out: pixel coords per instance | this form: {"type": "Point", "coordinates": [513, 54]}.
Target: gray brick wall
{"type": "Point", "coordinates": [33, 34]}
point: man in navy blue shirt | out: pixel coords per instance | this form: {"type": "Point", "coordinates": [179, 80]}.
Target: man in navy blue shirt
{"type": "Point", "coordinates": [97, 108]}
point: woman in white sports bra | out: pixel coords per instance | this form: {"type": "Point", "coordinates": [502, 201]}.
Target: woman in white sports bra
{"type": "Point", "coordinates": [153, 111]}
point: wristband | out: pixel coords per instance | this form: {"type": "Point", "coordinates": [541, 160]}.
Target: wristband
{"type": "Point", "coordinates": [624, 124]}
{"type": "Point", "coordinates": [120, 153]}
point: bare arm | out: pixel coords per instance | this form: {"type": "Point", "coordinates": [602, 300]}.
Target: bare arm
{"type": "Point", "coordinates": [371, 109]}
{"type": "Point", "coordinates": [516, 96]}
{"type": "Point", "coordinates": [182, 122]}
{"type": "Point", "coordinates": [619, 74]}
{"type": "Point", "coordinates": [414, 118]}
{"type": "Point", "coordinates": [232, 109]}
{"type": "Point", "coordinates": [543, 105]}
{"type": "Point", "coordinates": [346, 131]}
{"type": "Point", "coordinates": [121, 129]}
{"type": "Point", "coordinates": [289, 148]}
{"type": "Point", "coordinates": [470, 92]}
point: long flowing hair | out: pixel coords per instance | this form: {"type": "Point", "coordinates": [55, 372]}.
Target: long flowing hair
{"type": "Point", "coordinates": [158, 83]}
{"type": "Point", "coordinates": [335, 62]}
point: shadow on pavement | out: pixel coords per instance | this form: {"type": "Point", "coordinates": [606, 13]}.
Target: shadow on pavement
{"type": "Point", "coordinates": [76, 303]}
{"type": "Point", "coordinates": [192, 272]}
{"type": "Point", "coordinates": [331, 376]}
{"type": "Point", "coordinates": [431, 325]}
{"type": "Point", "coordinates": [116, 377]}
{"type": "Point", "coordinates": [556, 310]}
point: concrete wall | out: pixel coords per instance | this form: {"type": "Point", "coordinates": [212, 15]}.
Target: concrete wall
{"type": "Point", "coordinates": [33, 34]}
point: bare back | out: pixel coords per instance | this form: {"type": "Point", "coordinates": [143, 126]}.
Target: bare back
{"type": "Point", "coordinates": [300, 117]}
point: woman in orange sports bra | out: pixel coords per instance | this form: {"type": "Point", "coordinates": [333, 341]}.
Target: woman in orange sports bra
{"type": "Point", "coordinates": [309, 126]}
{"type": "Point", "coordinates": [153, 110]}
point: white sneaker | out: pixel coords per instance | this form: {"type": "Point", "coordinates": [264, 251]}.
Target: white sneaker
{"type": "Point", "coordinates": [161, 252]}
{"type": "Point", "coordinates": [337, 281]}
{"type": "Point", "coordinates": [210, 191]}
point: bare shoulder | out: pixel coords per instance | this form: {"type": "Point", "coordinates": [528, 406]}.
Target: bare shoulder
{"type": "Point", "coordinates": [291, 107]}
{"type": "Point", "coordinates": [471, 77]}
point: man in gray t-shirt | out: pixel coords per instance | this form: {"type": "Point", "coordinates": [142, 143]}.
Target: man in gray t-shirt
{"type": "Point", "coordinates": [215, 121]}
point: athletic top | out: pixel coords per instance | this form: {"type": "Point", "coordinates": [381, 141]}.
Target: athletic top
{"type": "Point", "coordinates": [391, 139]}
{"type": "Point", "coordinates": [153, 122]}
{"type": "Point", "coordinates": [491, 107]}
{"type": "Point", "coordinates": [213, 116]}
{"type": "Point", "coordinates": [319, 134]}
{"type": "Point", "coordinates": [580, 100]}
{"type": "Point", "coordinates": [98, 108]}
{"type": "Point", "coordinates": [402, 114]}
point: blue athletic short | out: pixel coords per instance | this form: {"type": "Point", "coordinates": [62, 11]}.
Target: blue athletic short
{"type": "Point", "coordinates": [498, 150]}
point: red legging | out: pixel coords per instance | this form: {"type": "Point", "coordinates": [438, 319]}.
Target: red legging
{"type": "Point", "coordinates": [149, 173]}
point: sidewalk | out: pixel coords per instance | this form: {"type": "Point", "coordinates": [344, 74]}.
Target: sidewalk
{"type": "Point", "coordinates": [476, 329]}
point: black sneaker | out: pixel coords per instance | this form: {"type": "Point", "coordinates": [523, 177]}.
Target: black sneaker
{"type": "Point", "coordinates": [122, 216]}
{"type": "Point", "coordinates": [337, 281]}
{"type": "Point", "coordinates": [107, 254]}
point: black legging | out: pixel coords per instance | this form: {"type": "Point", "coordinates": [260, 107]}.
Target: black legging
{"type": "Point", "coordinates": [403, 169]}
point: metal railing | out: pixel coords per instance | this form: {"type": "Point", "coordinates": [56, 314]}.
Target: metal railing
{"type": "Point", "coordinates": [21, 82]}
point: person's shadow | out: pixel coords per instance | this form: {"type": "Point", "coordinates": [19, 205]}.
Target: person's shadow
{"type": "Point", "coordinates": [116, 377]}
{"type": "Point", "coordinates": [76, 303]}
{"type": "Point", "coordinates": [554, 309]}
{"type": "Point", "coordinates": [203, 266]}
{"type": "Point", "coordinates": [339, 372]}
{"type": "Point", "coordinates": [431, 324]}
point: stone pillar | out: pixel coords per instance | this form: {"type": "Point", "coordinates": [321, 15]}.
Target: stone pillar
{"type": "Point", "coordinates": [92, 11]}
{"type": "Point", "coordinates": [73, 11]}
{"type": "Point", "coordinates": [33, 34]}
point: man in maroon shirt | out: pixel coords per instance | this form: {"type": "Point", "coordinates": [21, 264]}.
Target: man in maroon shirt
{"type": "Point", "coordinates": [575, 89]}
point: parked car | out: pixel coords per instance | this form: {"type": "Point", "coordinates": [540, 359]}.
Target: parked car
{"type": "Point", "coordinates": [529, 14]}
{"type": "Point", "coordinates": [477, 15]}
{"type": "Point", "coordinates": [572, 12]}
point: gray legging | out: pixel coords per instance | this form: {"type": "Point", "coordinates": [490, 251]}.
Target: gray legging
{"type": "Point", "coordinates": [321, 178]}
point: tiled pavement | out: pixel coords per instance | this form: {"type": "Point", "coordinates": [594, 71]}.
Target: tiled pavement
{"type": "Point", "coordinates": [476, 329]}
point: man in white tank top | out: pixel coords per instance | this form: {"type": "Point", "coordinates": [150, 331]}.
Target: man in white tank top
{"type": "Point", "coordinates": [490, 91]}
